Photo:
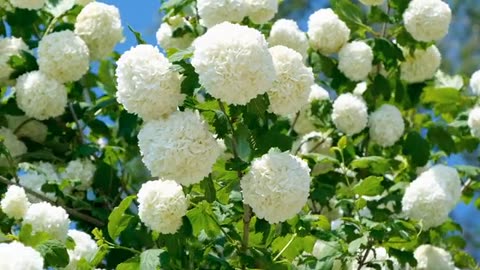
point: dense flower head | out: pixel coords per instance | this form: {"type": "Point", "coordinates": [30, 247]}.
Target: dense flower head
{"type": "Point", "coordinates": [162, 204]}
{"type": "Point", "coordinates": [213, 12]}
{"type": "Point", "coordinates": [474, 122]}
{"type": "Point", "coordinates": [327, 32]}
{"type": "Point", "coordinates": [166, 40]}
{"type": "Point", "coordinates": [475, 83]}
{"type": "Point", "coordinates": [40, 96]}
{"type": "Point", "coordinates": [145, 79]}
{"type": "Point", "coordinates": [355, 60]}
{"type": "Point", "coordinates": [85, 248]}
{"type": "Point", "coordinates": [45, 217]}
{"type": "Point", "coordinates": [15, 256]}
{"type": "Point", "coordinates": [15, 203]}
{"type": "Point", "coordinates": [287, 33]}
{"type": "Point", "coordinates": [35, 175]}
{"type": "Point", "coordinates": [14, 146]}
{"type": "Point", "coordinates": [292, 87]}
{"type": "Point", "coordinates": [303, 123]}
{"type": "Point", "coordinates": [277, 186]}
{"type": "Point", "coordinates": [28, 4]}
{"type": "Point", "coordinates": [27, 128]}
{"type": "Point", "coordinates": [63, 56]}
{"type": "Point", "coordinates": [81, 171]}
{"type": "Point", "coordinates": [9, 47]}
{"type": "Point", "coordinates": [233, 63]}
{"type": "Point", "coordinates": [432, 196]}
{"type": "Point", "coordinates": [179, 147]}
{"type": "Point", "coordinates": [350, 114]}
{"type": "Point", "coordinates": [420, 66]}
{"type": "Point", "coordinates": [99, 25]}
{"type": "Point", "coordinates": [372, 2]}
{"type": "Point", "coordinates": [433, 258]}
{"type": "Point", "coordinates": [261, 11]}
{"type": "Point", "coordinates": [427, 20]}
{"type": "Point", "coordinates": [386, 125]}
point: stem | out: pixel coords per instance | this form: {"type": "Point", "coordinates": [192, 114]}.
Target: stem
{"type": "Point", "coordinates": [77, 122]}
{"type": "Point", "coordinates": [361, 263]}
{"type": "Point", "coordinates": [295, 120]}
{"type": "Point", "coordinates": [115, 246]}
{"type": "Point", "coordinates": [22, 125]}
{"type": "Point", "coordinates": [50, 26]}
{"type": "Point", "coordinates": [285, 247]}
{"type": "Point", "coordinates": [466, 185]}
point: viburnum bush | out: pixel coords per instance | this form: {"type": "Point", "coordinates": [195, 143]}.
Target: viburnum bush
{"type": "Point", "coordinates": [240, 142]}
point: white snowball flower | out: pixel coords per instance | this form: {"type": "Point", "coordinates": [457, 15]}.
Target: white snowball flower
{"type": "Point", "coordinates": [292, 87]}
{"type": "Point", "coordinates": [427, 20]}
{"type": "Point", "coordinates": [145, 78]}
{"type": "Point", "coordinates": [420, 66]}
{"type": "Point", "coordinates": [83, 2]}
{"type": "Point", "coordinates": [34, 176]}
{"type": "Point", "coordinates": [15, 256]}
{"type": "Point", "coordinates": [45, 217]}
{"type": "Point", "coordinates": [12, 143]}
{"type": "Point", "coordinates": [303, 123]}
{"type": "Point", "coordinates": [355, 60]}
{"type": "Point", "coordinates": [63, 56]}
{"type": "Point", "coordinates": [433, 258]}
{"type": "Point", "coordinates": [386, 125]}
{"type": "Point", "coordinates": [81, 171]}
{"type": "Point", "coordinates": [233, 63]}
{"type": "Point", "coordinates": [318, 93]}
{"type": "Point", "coordinates": [85, 248]}
{"type": "Point", "coordinates": [40, 96]}
{"type": "Point", "coordinates": [180, 147]}
{"type": "Point", "coordinates": [28, 4]}
{"type": "Point", "coordinates": [327, 32]}
{"type": "Point", "coordinates": [277, 186]}
{"type": "Point", "coordinates": [474, 122]}
{"type": "Point", "coordinates": [162, 204]}
{"type": "Point", "coordinates": [378, 256]}
{"type": "Point", "coordinates": [261, 11]}
{"type": "Point", "coordinates": [28, 128]}
{"type": "Point", "coordinates": [9, 47]}
{"type": "Point", "coordinates": [287, 33]}
{"type": "Point", "coordinates": [213, 12]}
{"type": "Point", "coordinates": [99, 25]}
{"type": "Point", "coordinates": [475, 83]}
{"type": "Point", "coordinates": [166, 40]}
{"type": "Point", "coordinates": [372, 2]}
{"type": "Point", "coordinates": [15, 203]}
{"type": "Point", "coordinates": [432, 196]}
{"type": "Point", "coordinates": [350, 114]}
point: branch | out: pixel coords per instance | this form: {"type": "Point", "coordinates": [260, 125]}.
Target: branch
{"type": "Point", "coordinates": [77, 122]}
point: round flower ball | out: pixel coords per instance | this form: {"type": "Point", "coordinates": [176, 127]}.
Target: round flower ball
{"type": "Point", "coordinates": [233, 63]}
{"type": "Point", "coordinates": [28, 128]}
{"type": "Point", "coordinates": [15, 203]}
{"type": "Point", "coordinates": [420, 66]}
{"type": "Point", "coordinates": [427, 20]}
{"type": "Point", "coordinates": [291, 89]}
{"type": "Point", "coordinates": [99, 25]}
{"type": "Point", "coordinates": [162, 204]}
{"type": "Point", "coordinates": [85, 248]}
{"type": "Point", "coordinates": [386, 125]}
{"type": "Point", "coordinates": [14, 146]}
{"type": "Point", "coordinates": [261, 11]}
{"type": "Point", "coordinates": [166, 40]}
{"type": "Point", "coordinates": [372, 2]}
{"type": "Point", "coordinates": [475, 83]}
{"type": "Point", "coordinates": [63, 56]}
{"type": "Point", "coordinates": [45, 217]}
{"type": "Point", "coordinates": [28, 4]}
{"type": "Point", "coordinates": [80, 171]}
{"type": "Point", "coordinates": [277, 186]}
{"type": "Point", "coordinates": [145, 80]}
{"type": "Point", "coordinates": [355, 60]}
{"type": "Point", "coordinates": [433, 258]}
{"type": "Point", "coordinates": [474, 122]}
{"type": "Point", "coordinates": [350, 114]}
{"type": "Point", "coordinates": [448, 177]}
{"type": "Point", "coordinates": [287, 33]}
{"type": "Point", "coordinates": [15, 255]}
{"type": "Point", "coordinates": [179, 147]}
{"type": "Point", "coordinates": [40, 96]}
{"type": "Point", "coordinates": [327, 32]}
{"type": "Point", "coordinates": [213, 12]}
{"type": "Point", "coordinates": [9, 47]}
{"type": "Point", "coordinates": [303, 123]}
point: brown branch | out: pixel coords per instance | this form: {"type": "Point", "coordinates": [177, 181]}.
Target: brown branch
{"type": "Point", "coordinates": [77, 122]}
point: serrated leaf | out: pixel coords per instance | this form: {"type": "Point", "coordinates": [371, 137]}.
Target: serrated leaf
{"type": "Point", "coordinates": [54, 253]}
{"type": "Point", "coordinates": [369, 186]}
{"type": "Point", "coordinates": [201, 218]}
{"type": "Point", "coordinates": [118, 220]}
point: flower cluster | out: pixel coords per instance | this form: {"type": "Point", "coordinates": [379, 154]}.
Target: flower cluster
{"type": "Point", "coordinates": [386, 125]}
{"type": "Point", "coordinates": [430, 257]}
{"type": "Point", "coordinates": [15, 255]}
{"type": "Point", "coordinates": [350, 114]}
{"type": "Point", "coordinates": [44, 217]}
{"type": "Point", "coordinates": [286, 33]}
{"type": "Point", "coordinates": [327, 32]}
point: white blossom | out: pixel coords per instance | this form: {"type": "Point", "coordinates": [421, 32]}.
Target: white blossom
{"type": "Point", "coordinates": [427, 20]}
{"type": "Point", "coordinates": [179, 147]}
{"type": "Point", "coordinates": [35, 175]}
{"type": "Point", "coordinates": [80, 171]}
{"type": "Point", "coordinates": [146, 83]}
{"type": "Point", "coordinates": [433, 258]}
{"type": "Point", "coordinates": [443, 79]}
{"type": "Point", "coordinates": [166, 40]}
{"type": "Point", "coordinates": [277, 186]}
{"type": "Point", "coordinates": [474, 122]}
{"type": "Point", "coordinates": [372, 2]}
{"type": "Point", "coordinates": [213, 12]}
{"type": "Point", "coordinates": [16, 256]}
{"type": "Point", "coordinates": [14, 146]}
{"type": "Point", "coordinates": [261, 11]}
{"type": "Point", "coordinates": [27, 128]}
{"type": "Point", "coordinates": [350, 114]}
{"type": "Point", "coordinates": [28, 4]}
{"type": "Point", "coordinates": [386, 125]}
{"type": "Point", "coordinates": [85, 248]}
{"type": "Point", "coordinates": [162, 204]}
{"type": "Point", "coordinates": [327, 32]}
{"type": "Point", "coordinates": [287, 33]}
{"type": "Point", "coordinates": [15, 203]}
{"type": "Point", "coordinates": [475, 83]}
{"type": "Point", "coordinates": [47, 218]}
{"type": "Point", "coordinates": [420, 66]}
{"type": "Point", "coordinates": [303, 123]}
{"type": "Point", "coordinates": [355, 60]}
{"type": "Point", "coordinates": [9, 47]}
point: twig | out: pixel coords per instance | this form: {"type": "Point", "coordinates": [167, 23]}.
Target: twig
{"type": "Point", "coordinates": [361, 263]}
{"type": "Point", "coordinates": [295, 120]}
{"type": "Point", "coordinates": [466, 185]}
{"type": "Point", "coordinates": [77, 122]}
{"type": "Point", "coordinates": [22, 125]}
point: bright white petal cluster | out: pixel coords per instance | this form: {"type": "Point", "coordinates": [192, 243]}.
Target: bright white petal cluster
{"type": "Point", "coordinates": [166, 40]}
{"type": "Point", "coordinates": [99, 25]}
{"type": "Point", "coordinates": [433, 258]}
{"type": "Point", "coordinates": [34, 176]}
{"type": "Point", "coordinates": [303, 123]}
{"type": "Point", "coordinates": [233, 63]}
{"type": "Point", "coordinates": [145, 80]}
{"type": "Point", "coordinates": [15, 203]}
{"type": "Point", "coordinates": [432, 196]}
{"type": "Point", "coordinates": [40, 96]}
{"type": "Point", "coordinates": [327, 32]}
{"type": "Point", "coordinates": [29, 128]}
{"type": "Point", "coordinates": [378, 256]}
{"type": "Point", "coordinates": [12, 143]}
{"type": "Point", "coordinates": [475, 83]}
{"type": "Point", "coordinates": [213, 12]}
{"type": "Point", "coordinates": [63, 56]}
{"type": "Point", "coordinates": [427, 20]}
{"type": "Point", "coordinates": [162, 204]}
{"type": "Point", "coordinates": [372, 2]}
{"type": "Point", "coordinates": [9, 47]}
{"type": "Point", "coordinates": [360, 88]}
{"type": "Point", "coordinates": [261, 11]}
{"type": "Point", "coordinates": [355, 60]}
{"type": "Point", "coordinates": [81, 171]}
{"type": "Point", "coordinates": [291, 89]}
{"type": "Point", "coordinates": [85, 248]}
{"type": "Point", "coordinates": [277, 186]}
{"type": "Point", "coordinates": [15, 256]}
{"type": "Point", "coordinates": [350, 114]}
{"type": "Point", "coordinates": [420, 66]}
{"type": "Point", "coordinates": [28, 4]}
{"type": "Point", "coordinates": [474, 122]}
{"type": "Point", "coordinates": [287, 33]}
{"type": "Point", "coordinates": [45, 217]}
{"type": "Point", "coordinates": [180, 147]}
{"type": "Point", "coordinates": [386, 125]}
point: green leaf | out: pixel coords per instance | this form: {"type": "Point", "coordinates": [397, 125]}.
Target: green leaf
{"type": "Point", "coordinates": [351, 14]}
{"type": "Point", "coordinates": [293, 245]}
{"type": "Point", "coordinates": [22, 63]}
{"type": "Point", "coordinates": [29, 238]}
{"type": "Point", "coordinates": [118, 220]}
{"type": "Point", "coordinates": [443, 99]}
{"type": "Point", "coordinates": [58, 7]}
{"type": "Point", "coordinates": [180, 55]}
{"type": "Point", "coordinates": [369, 186]}
{"type": "Point", "coordinates": [54, 252]}
{"type": "Point", "coordinates": [130, 264]}
{"type": "Point", "coordinates": [137, 35]}
{"type": "Point", "coordinates": [201, 218]}
{"type": "Point", "coordinates": [376, 164]}
{"type": "Point", "coordinates": [355, 245]}
{"type": "Point", "coordinates": [244, 148]}
{"type": "Point", "coordinates": [417, 148]}
{"type": "Point", "coordinates": [150, 259]}
{"type": "Point", "coordinates": [439, 136]}
{"type": "Point", "coordinates": [209, 187]}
